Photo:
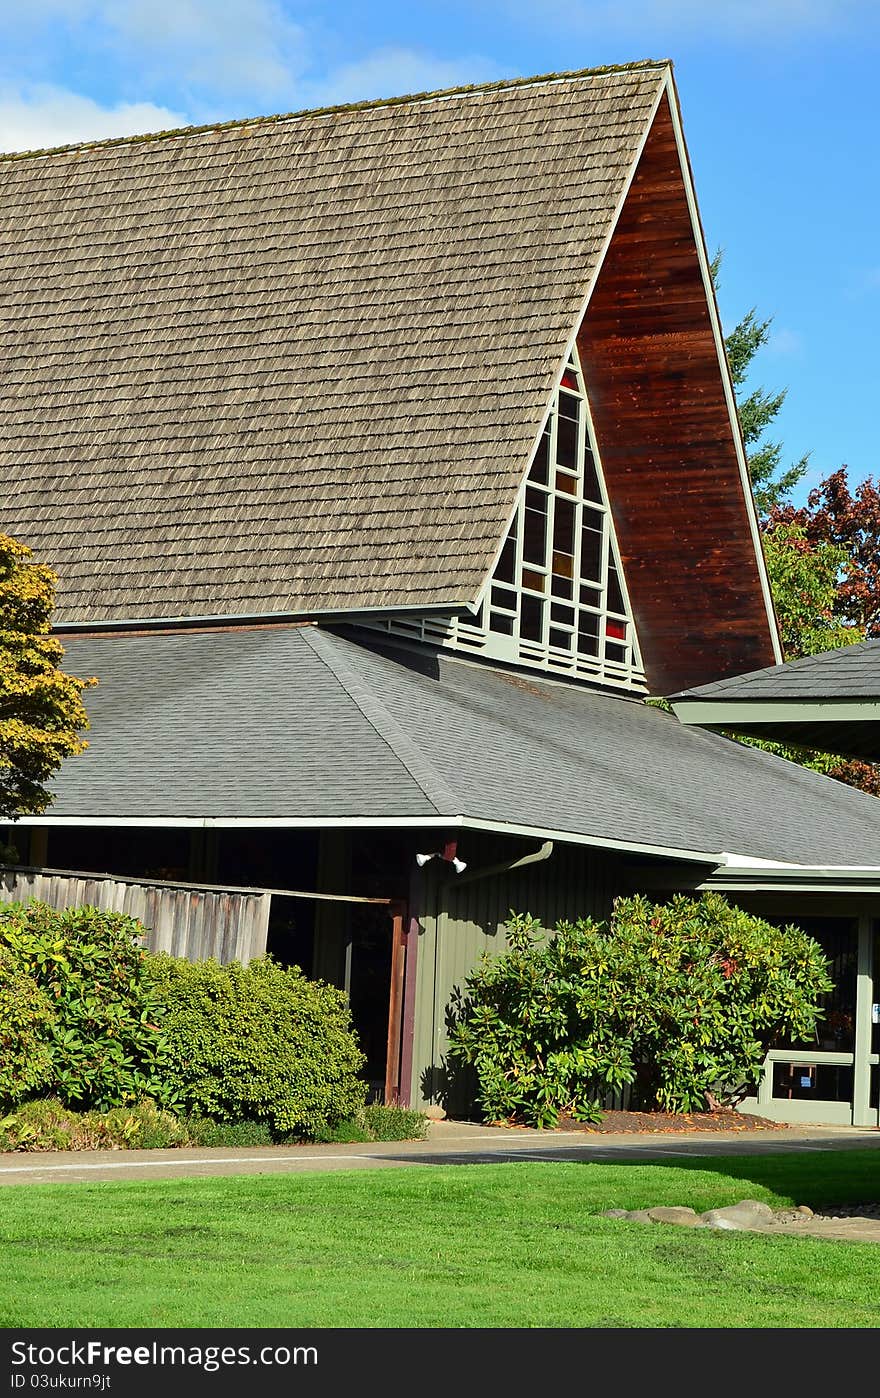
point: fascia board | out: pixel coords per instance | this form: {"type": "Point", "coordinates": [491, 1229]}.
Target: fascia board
{"type": "Point", "coordinates": [732, 713]}
{"type": "Point", "coordinates": [210, 620]}
{"type": "Point", "coordinates": [366, 822]}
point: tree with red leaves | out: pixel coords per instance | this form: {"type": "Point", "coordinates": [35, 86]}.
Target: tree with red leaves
{"type": "Point", "coordinates": [823, 558]}
{"type": "Point", "coordinates": [821, 609]}
{"type": "Point", "coordinates": [850, 521]}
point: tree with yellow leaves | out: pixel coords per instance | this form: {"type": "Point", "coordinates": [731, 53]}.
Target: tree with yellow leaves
{"type": "Point", "coordinates": [42, 715]}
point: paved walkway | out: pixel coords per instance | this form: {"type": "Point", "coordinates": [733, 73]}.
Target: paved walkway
{"type": "Point", "coordinates": [449, 1143]}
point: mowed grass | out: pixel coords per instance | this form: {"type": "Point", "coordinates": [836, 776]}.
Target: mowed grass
{"type": "Point", "coordinates": [514, 1245]}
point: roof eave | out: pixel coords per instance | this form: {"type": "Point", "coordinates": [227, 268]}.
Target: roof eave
{"type": "Point", "coordinates": [730, 713]}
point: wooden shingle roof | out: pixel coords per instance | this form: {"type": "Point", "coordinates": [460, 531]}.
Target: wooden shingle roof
{"type": "Point", "coordinates": [297, 365]}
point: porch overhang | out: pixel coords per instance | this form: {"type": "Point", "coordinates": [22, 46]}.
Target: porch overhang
{"type": "Point", "coordinates": [826, 703]}
{"type": "Point", "coordinates": [850, 727]}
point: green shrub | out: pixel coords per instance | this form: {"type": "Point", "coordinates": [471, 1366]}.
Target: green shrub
{"type": "Point", "coordinates": [26, 1019]}
{"type": "Point", "coordinates": [106, 1043]}
{"type": "Point", "coordinates": [344, 1133]}
{"type": "Point", "coordinates": [679, 1000]}
{"type": "Point", "coordinates": [392, 1122]}
{"type": "Point", "coordinates": [378, 1122]}
{"type": "Point", "coordinates": [47, 1124]}
{"type": "Point", "coordinates": [205, 1131]}
{"type": "Point", "coordinates": [259, 1043]}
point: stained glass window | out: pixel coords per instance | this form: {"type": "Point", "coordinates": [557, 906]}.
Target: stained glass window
{"type": "Point", "coordinates": [557, 599]}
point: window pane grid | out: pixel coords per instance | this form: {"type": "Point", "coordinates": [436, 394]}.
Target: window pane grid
{"type": "Point", "coordinates": [557, 596]}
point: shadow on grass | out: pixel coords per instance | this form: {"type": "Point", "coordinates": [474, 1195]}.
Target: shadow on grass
{"type": "Point", "coordinates": [818, 1178]}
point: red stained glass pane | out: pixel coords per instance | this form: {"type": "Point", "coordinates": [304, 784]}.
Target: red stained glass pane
{"type": "Point", "coordinates": [615, 629]}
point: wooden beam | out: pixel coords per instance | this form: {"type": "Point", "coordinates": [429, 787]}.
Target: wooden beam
{"type": "Point", "coordinates": [395, 1004]}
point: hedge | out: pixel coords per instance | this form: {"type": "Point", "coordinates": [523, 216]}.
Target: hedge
{"type": "Point", "coordinates": [103, 1034]}
{"type": "Point", "coordinates": [258, 1043]}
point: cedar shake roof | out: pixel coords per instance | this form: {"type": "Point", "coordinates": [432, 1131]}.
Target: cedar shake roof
{"type": "Point", "coordinates": [187, 725]}
{"type": "Point", "coordinates": [298, 365]}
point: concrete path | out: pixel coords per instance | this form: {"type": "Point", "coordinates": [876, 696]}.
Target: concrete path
{"type": "Point", "coordinates": [449, 1143]}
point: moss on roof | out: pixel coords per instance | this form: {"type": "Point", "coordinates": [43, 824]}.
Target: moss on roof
{"type": "Point", "coordinates": [209, 127]}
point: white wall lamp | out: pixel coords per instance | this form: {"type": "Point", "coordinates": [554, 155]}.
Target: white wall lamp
{"type": "Point", "coordinates": [449, 855]}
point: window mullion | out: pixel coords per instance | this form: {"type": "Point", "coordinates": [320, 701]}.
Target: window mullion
{"type": "Point", "coordinates": [590, 516]}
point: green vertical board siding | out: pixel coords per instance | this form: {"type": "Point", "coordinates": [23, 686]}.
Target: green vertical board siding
{"type": "Point", "coordinates": [460, 920]}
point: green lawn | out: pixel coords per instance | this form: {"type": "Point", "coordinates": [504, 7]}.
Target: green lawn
{"type": "Point", "coordinates": [479, 1245]}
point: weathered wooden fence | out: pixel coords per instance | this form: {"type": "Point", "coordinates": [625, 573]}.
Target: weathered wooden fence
{"type": "Point", "coordinates": [190, 921]}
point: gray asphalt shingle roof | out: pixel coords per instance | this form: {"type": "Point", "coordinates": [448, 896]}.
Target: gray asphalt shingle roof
{"type": "Point", "coordinates": [822, 703]}
{"type": "Point", "coordinates": [311, 724]}
{"type": "Point", "coordinates": [298, 365]}
{"type": "Point", "coordinates": [851, 672]}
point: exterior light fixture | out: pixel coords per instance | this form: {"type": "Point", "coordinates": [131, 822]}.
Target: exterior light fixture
{"type": "Point", "coordinates": [458, 864]}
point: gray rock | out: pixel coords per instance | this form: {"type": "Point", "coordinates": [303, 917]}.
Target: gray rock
{"type": "Point", "coordinates": [805, 1210]}
{"type": "Point", "coordinates": [748, 1214]}
{"type": "Point", "coordinates": [639, 1215]}
{"type": "Point", "coordinates": [615, 1213]}
{"type": "Point", "coordinates": [688, 1218]}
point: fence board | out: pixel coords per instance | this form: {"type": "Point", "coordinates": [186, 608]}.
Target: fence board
{"type": "Point", "coordinates": [194, 924]}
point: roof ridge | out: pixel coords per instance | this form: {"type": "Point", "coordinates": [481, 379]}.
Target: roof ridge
{"type": "Point", "coordinates": [465, 90]}
{"type": "Point", "coordinates": [426, 777]}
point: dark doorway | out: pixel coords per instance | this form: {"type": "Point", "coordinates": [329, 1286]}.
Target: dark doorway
{"type": "Point", "coordinates": [291, 937]}
{"type": "Point", "coordinates": [267, 858]}
{"type": "Point", "coordinates": [367, 978]}
{"type": "Point", "coordinates": [149, 852]}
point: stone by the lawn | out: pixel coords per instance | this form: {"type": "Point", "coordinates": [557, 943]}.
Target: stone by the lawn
{"type": "Point", "coordinates": [748, 1214]}
{"type": "Point", "coordinates": [689, 1218]}
{"type": "Point", "coordinates": [858, 1223]}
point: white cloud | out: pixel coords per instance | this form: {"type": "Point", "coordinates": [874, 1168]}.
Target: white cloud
{"type": "Point", "coordinates": [143, 62]}
{"type": "Point", "coordinates": [219, 49]}
{"type": "Point", "coordinates": [784, 342]}
{"type": "Point", "coordinates": [42, 116]}
{"type": "Point", "coordinates": [394, 72]}
{"type": "Point", "coordinates": [224, 46]}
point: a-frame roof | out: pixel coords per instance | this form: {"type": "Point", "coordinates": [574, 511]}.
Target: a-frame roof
{"type": "Point", "coordinates": [298, 365]}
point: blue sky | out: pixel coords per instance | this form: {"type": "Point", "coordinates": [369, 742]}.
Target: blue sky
{"type": "Point", "coordinates": [779, 108]}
